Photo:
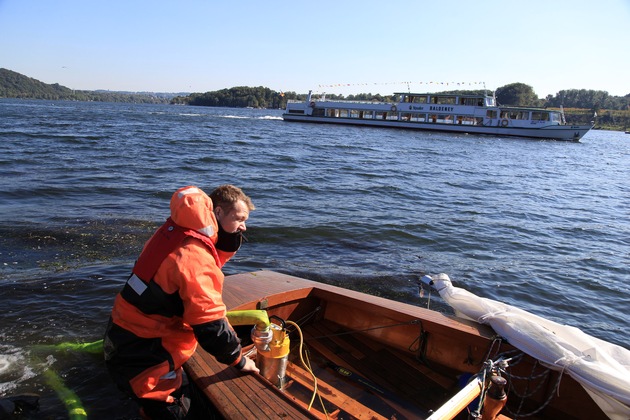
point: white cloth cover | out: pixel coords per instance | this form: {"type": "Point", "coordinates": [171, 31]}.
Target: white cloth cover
{"type": "Point", "coordinates": [602, 368]}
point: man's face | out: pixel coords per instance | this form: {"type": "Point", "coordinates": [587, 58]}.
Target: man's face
{"type": "Point", "coordinates": [235, 219]}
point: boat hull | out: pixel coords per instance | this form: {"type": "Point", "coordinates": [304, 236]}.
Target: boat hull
{"type": "Point", "coordinates": [572, 133]}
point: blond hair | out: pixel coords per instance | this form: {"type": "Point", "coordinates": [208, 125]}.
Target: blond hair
{"type": "Point", "coordinates": [225, 196]}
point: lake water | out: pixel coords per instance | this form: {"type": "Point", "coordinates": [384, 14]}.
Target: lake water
{"type": "Point", "coordinates": [541, 225]}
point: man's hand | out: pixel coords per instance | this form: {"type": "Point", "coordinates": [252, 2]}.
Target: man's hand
{"type": "Point", "coordinates": [250, 366]}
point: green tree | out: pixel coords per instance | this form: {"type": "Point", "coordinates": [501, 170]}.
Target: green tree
{"type": "Point", "coordinates": [517, 94]}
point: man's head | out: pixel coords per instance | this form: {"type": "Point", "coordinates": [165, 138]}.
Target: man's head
{"type": "Point", "coordinates": [231, 207]}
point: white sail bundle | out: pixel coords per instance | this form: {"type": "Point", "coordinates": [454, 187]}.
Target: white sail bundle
{"type": "Point", "coordinates": [602, 368]}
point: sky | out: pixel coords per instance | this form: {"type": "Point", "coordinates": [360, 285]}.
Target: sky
{"type": "Point", "coordinates": [340, 47]}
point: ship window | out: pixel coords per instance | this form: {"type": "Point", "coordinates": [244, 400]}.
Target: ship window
{"type": "Point", "coordinates": [318, 112]}
{"type": "Point", "coordinates": [419, 100]}
{"type": "Point", "coordinates": [491, 113]}
{"type": "Point", "coordinates": [333, 113]}
{"type": "Point", "coordinates": [469, 101]}
{"type": "Point", "coordinates": [392, 115]}
{"type": "Point", "coordinates": [343, 113]}
{"type": "Point", "coordinates": [465, 120]}
{"type": "Point", "coordinates": [296, 111]}
{"type": "Point", "coordinates": [405, 116]}
{"type": "Point", "coordinates": [441, 119]}
{"type": "Point", "coordinates": [367, 115]}
{"type": "Point", "coordinates": [519, 115]}
{"type": "Point", "coordinates": [540, 116]}
{"type": "Point", "coordinates": [354, 113]}
{"type": "Point", "coordinates": [444, 100]}
{"type": "Point", "coordinates": [418, 117]}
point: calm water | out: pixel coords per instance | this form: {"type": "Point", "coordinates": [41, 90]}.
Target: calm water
{"type": "Point", "coordinates": [541, 225]}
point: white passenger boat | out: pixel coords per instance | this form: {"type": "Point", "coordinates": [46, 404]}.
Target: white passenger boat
{"type": "Point", "coordinates": [465, 113]}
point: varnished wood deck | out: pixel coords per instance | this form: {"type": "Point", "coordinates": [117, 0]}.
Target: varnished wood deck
{"type": "Point", "coordinates": [238, 396]}
{"type": "Point", "coordinates": [235, 395]}
{"type": "Point", "coordinates": [392, 385]}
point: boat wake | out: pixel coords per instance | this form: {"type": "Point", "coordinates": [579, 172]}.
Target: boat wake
{"type": "Point", "coordinates": [242, 117]}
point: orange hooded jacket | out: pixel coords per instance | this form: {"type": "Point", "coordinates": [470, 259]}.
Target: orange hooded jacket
{"type": "Point", "coordinates": [171, 302]}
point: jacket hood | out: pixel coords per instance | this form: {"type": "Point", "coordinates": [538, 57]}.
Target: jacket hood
{"type": "Point", "coordinates": [191, 208]}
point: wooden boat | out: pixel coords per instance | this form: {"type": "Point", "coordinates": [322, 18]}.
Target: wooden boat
{"type": "Point", "coordinates": [374, 358]}
{"type": "Point", "coordinates": [455, 113]}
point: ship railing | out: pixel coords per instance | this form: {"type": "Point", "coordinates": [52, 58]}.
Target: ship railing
{"type": "Point", "coordinates": [345, 101]}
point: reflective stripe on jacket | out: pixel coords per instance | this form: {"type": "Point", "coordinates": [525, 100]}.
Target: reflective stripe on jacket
{"type": "Point", "coordinates": [175, 284]}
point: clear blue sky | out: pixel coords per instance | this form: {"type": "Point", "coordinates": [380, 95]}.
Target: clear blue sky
{"type": "Point", "coordinates": [375, 46]}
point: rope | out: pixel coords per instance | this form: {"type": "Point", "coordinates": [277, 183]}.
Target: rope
{"type": "Point", "coordinates": [413, 322]}
{"type": "Point", "coordinates": [484, 389]}
{"type": "Point", "coordinates": [421, 340]}
{"type": "Point", "coordinates": [496, 339]}
{"type": "Point", "coordinates": [421, 348]}
{"type": "Point", "coordinates": [307, 365]}
{"type": "Point", "coordinates": [526, 395]}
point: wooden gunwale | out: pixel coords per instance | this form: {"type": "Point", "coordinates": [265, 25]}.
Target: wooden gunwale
{"type": "Point", "coordinates": [236, 395]}
{"type": "Point", "coordinates": [250, 396]}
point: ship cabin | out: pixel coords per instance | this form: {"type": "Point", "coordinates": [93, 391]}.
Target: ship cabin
{"type": "Point", "coordinates": [454, 109]}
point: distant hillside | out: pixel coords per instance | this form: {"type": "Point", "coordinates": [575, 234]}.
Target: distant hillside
{"type": "Point", "coordinates": [580, 105]}
{"type": "Point", "coordinates": [16, 85]}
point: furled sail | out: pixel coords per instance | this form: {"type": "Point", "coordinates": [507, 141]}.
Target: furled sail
{"type": "Point", "coordinates": [602, 368]}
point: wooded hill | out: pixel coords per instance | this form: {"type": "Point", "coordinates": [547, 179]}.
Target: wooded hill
{"type": "Point", "coordinates": [16, 85]}
{"type": "Point", "coordinates": [580, 105]}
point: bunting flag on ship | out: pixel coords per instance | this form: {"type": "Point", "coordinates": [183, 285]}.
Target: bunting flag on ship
{"type": "Point", "coordinates": [335, 85]}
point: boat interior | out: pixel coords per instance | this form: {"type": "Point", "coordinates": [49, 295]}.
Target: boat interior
{"type": "Point", "coordinates": [359, 356]}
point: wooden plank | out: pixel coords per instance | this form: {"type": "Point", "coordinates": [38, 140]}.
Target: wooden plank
{"type": "Point", "coordinates": [345, 360]}
{"type": "Point", "coordinates": [388, 370]}
{"type": "Point", "coordinates": [440, 380]}
{"type": "Point", "coordinates": [240, 289]}
{"type": "Point", "coordinates": [405, 357]}
{"type": "Point", "coordinates": [331, 394]}
{"type": "Point", "coordinates": [323, 330]}
{"type": "Point", "coordinates": [237, 395]}
{"type": "Point", "coordinates": [218, 399]}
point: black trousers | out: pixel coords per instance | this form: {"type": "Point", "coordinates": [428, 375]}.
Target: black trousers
{"type": "Point", "coordinates": [158, 410]}
{"type": "Point", "coordinates": [190, 405]}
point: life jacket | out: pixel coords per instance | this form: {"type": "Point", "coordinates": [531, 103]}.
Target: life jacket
{"type": "Point", "coordinates": [168, 238]}
{"type": "Point", "coordinates": [150, 336]}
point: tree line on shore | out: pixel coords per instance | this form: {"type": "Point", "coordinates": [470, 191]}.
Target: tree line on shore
{"type": "Point", "coordinates": [16, 85]}
{"type": "Point", "coordinates": [514, 94]}
{"type": "Point", "coordinates": [580, 105]}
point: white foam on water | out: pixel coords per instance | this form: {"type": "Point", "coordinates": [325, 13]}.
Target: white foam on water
{"type": "Point", "coordinates": [14, 367]}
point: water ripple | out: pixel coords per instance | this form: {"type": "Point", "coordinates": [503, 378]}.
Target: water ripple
{"type": "Point", "coordinates": [542, 225]}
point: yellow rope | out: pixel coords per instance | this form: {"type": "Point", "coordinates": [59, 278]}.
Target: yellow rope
{"type": "Point", "coordinates": [306, 365]}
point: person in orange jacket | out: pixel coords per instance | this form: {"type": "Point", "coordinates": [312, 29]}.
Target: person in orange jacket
{"type": "Point", "coordinates": [173, 301]}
